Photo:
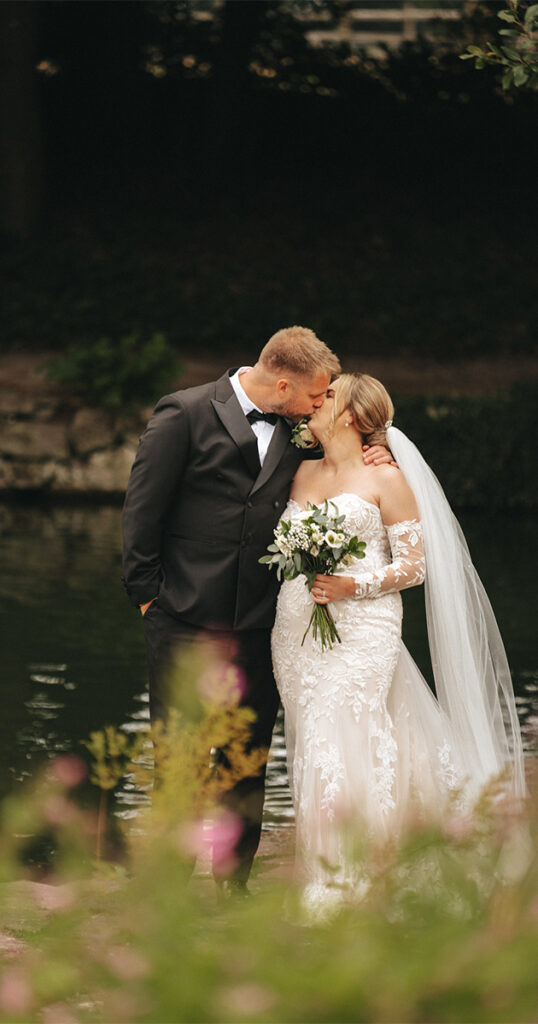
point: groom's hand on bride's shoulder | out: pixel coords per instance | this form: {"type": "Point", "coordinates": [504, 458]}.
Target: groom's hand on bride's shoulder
{"type": "Point", "coordinates": [378, 455]}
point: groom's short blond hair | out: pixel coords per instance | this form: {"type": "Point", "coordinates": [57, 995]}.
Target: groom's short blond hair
{"type": "Point", "coordinates": [298, 350]}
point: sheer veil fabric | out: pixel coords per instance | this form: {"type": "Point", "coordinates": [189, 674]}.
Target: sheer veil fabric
{"type": "Point", "coordinates": [470, 667]}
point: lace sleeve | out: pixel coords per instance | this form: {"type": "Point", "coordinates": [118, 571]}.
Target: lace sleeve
{"type": "Point", "coordinates": [407, 568]}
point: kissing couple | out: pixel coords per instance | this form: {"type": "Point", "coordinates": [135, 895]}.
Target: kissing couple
{"type": "Point", "coordinates": [368, 745]}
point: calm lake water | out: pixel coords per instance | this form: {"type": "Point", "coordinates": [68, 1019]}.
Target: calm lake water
{"type": "Point", "coordinates": [73, 656]}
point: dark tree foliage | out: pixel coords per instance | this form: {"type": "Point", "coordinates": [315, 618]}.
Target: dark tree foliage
{"type": "Point", "coordinates": [215, 95]}
{"type": "Point", "coordinates": [20, 127]}
{"type": "Point", "coordinates": [200, 169]}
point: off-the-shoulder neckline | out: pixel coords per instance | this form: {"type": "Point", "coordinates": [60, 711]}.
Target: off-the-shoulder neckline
{"type": "Point", "coordinates": [342, 494]}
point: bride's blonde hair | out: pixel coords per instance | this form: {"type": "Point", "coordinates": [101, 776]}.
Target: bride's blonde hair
{"type": "Point", "coordinates": [368, 402]}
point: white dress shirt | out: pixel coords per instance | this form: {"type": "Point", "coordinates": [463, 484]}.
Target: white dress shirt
{"type": "Point", "coordinates": [262, 429]}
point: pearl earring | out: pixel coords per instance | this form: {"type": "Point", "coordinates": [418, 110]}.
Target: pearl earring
{"type": "Point", "coordinates": [347, 423]}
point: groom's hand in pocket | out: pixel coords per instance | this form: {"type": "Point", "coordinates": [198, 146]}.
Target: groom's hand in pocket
{"type": "Point", "coordinates": [377, 454]}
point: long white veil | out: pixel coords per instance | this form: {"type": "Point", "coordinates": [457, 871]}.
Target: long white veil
{"type": "Point", "coordinates": [469, 662]}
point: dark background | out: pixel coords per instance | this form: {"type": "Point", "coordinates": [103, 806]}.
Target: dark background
{"type": "Point", "coordinates": [217, 178]}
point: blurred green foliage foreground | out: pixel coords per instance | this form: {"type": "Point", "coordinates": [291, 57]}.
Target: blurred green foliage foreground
{"type": "Point", "coordinates": [447, 932]}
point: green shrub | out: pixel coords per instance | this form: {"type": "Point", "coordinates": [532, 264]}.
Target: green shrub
{"type": "Point", "coordinates": [115, 373]}
{"type": "Point", "coordinates": [481, 447]}
{"type": "Point", "coordinates": [398, 279]}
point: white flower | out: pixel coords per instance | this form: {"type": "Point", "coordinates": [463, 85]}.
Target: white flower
{"type": "Point", "coordinates": [306, 434]}
{"type": "Point", "coordinates": [331, 538]}
{"type": "Point", "coordinates": [302, 436]}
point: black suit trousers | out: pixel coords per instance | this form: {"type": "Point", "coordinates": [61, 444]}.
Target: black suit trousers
{"type": "Point", "coordinates": [250, 650]}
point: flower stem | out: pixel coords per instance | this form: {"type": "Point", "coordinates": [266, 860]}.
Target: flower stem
{"type": "Point", "coordinates": [321, 622]}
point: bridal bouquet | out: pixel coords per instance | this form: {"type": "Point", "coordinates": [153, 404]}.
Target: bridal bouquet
{"type": "Point", "coordinates": [313, 543]}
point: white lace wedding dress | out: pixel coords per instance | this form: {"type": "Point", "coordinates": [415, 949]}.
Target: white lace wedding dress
{"type": "Point", "coordinates": [368, 745]}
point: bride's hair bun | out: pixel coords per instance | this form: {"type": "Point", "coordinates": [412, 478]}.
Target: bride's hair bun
{"type": "Point", "coordinates": [369, 403]}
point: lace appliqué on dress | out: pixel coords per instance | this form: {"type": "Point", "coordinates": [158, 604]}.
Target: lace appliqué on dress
{"type": "Point", "coordinates": [407, 568]}
{"type": "Point", "coordinates": [331, 771]}
{"type": "Point", "coordinates": [368, 742]}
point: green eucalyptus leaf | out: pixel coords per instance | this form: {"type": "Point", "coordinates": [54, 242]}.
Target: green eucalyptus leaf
{"type": "Point", "coordinates": [521, 76]}
{"type": "Point", "coordinates": [495, 49]}
{"type": "Point", "coordinates": [531, 15]}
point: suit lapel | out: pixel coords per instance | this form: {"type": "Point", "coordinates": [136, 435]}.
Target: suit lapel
{"type": "Point", "coordinates": [279, 442]}
{"type": "Point", "coordinates": [235, 422]}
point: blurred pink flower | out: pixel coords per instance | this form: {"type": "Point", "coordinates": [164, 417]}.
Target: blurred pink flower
{"type": "Point", "coordinates": [127, 964]}
{"type": "Point", "coordinates": [194, 839]}
{"type": "Point", "coordinates": [247, 1000]}
{"type": "Point", "coordinates": [225, 833]}
{"type": "Point", "coordinates": [223, 684]}
{"type": "Point", "coordinates": [69, 769]}
{"type": "Point", "coordinates": [16, 996]}
{"type": "Point", "coordinates": [58, 1013]}
{"type": "Point", "coordinates": [199, 840]}
{"type": "Point", "coordinates": [59, 811]}
{"type": "Point", "coordinates": [57, 897]}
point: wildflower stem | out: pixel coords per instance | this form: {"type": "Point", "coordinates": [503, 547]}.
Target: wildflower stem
{"type": "Point", "coordinates": [101, 824]}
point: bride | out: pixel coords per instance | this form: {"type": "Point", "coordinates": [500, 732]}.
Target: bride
{"type": "Point", "coordinates": [369, 747]}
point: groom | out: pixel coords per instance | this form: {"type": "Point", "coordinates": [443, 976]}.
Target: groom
{"type": "Point", "coordinates": [208, 485]}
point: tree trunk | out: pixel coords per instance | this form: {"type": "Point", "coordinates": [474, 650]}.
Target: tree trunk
{"type": "Point", "coordinates": [20, 135]}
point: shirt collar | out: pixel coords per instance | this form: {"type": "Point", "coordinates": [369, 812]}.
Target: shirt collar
{"type": "Point", "coordinates": [244, 401]}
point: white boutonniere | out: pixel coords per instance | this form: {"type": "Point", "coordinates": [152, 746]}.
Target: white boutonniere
{"type": "Point", "coordinates": [302, 436]}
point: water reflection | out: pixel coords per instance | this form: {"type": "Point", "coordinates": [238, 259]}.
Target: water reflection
{"type": "Point", "coordinates": [73, 657]}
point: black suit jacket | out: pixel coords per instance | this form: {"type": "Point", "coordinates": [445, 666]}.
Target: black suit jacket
{"type": "Point", "coordinates": [200, 510]}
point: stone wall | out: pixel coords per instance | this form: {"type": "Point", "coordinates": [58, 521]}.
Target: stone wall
{"type": "Point", "coordinates": [52, 444]}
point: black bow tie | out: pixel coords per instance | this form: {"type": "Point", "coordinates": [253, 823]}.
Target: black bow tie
{"type": "Point", "coordinates": [254, 417]}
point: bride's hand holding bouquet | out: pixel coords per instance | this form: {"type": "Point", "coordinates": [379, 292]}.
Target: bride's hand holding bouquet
{"type": "Point", "coordinates": [315, 544]}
